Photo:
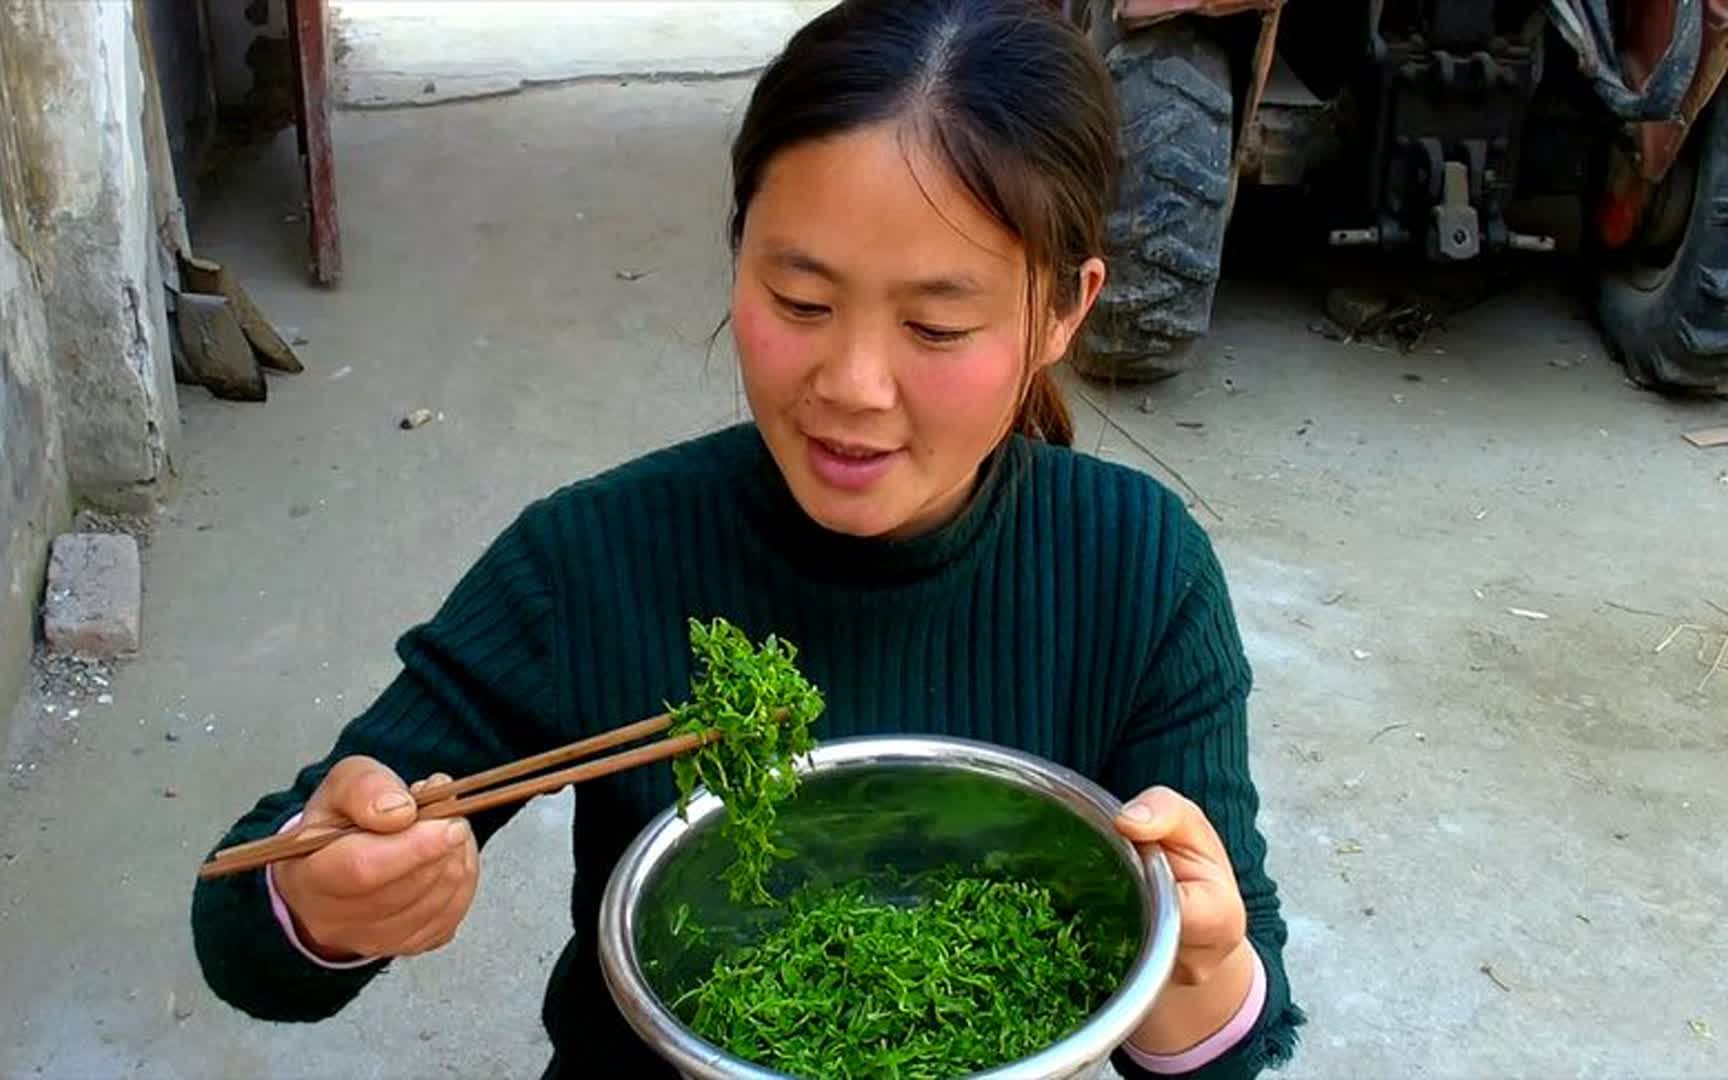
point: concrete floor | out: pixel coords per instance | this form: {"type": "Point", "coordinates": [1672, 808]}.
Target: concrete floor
{"type": "Point", "coordinates": [1447, 785]}
{"type": "Point", "coordinates": [427, 52]}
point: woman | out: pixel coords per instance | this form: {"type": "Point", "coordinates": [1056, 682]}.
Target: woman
{"type": "Point", "coordinates": [920, 193]}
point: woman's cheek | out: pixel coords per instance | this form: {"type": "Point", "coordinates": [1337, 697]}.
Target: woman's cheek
{"type": "Point", "coordinates": [972, 387]}
{"type": "Point", "coordinates": [768, 349]}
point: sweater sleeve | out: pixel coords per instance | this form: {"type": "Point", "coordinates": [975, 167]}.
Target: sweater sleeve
{"type": "Point", "coordinates": [1189, 732]}
{"type": "Point", "coordinates": [479, 686]}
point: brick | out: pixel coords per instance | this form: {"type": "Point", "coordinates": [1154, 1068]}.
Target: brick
{"type": "Point", "coordinates": [95, 591]}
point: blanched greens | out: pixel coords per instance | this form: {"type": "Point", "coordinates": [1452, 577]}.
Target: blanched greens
{"type": "Point", "coordinates": [762, 706]}
{"type": "Point", "coordinates": [951, 973]}
{"type": "Point", "coordinates": [979, 973]}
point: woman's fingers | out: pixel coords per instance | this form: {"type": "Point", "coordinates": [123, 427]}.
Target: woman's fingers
{"type": "Point", "coordinates": [441, 929]}
{"type": "Point", "coordinates": [1213, 917]}
{"type": "Point", "coordinates": [426, 922]}
{"type": "Point", "coordinates": [1162, 816]}
{"type": "Point", "coordinates": [431, 781]}
{"type": "Point", "coordinates": [364, 865]}
{"type": "Point", "coordinates": [362, 791]}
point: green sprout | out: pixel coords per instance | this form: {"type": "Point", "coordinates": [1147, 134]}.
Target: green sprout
{"type": "Point", "coordinates": [980, 973]}
{"type": "Point", "coordinates": [762, 706]}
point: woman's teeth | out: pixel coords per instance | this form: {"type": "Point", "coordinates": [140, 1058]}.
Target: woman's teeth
{"type": "Point", "coordinates": [852, 452]}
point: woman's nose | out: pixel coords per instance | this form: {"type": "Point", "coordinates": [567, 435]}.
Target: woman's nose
{"type": "Point", "coordinates": [857, 375]}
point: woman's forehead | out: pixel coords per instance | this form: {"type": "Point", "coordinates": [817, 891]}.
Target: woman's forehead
{"type": "Point", "coordinates": [871, 200]}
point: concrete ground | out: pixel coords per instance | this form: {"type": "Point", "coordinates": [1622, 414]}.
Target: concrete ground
{"type": "Point", "coordinates": [1499, 837]}
{"type": "Point", "coordinates": [427, 52]}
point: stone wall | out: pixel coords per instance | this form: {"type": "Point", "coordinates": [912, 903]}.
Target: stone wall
{"type": "Point", "coordinates": [77, 91]}
{"type": "Point", "coordinates": [87, 398]}
{"type": "Point", "coordinates": [33, 485]}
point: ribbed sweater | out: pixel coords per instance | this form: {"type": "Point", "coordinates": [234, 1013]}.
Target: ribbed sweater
{"type": "Point", "coordinates": [1073, 610]}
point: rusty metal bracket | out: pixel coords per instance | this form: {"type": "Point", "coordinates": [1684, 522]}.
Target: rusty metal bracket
{"type": "Point", "coordinates": [1248, 148]}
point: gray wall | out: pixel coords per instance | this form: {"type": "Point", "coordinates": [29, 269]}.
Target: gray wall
{"type": "Point", "coordinates": [87, 393]}
{"type": "Point", "coordinates": [33, 485]}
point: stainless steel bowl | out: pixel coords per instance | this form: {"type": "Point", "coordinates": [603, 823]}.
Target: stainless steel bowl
{"type": "Point", "coordinates": [876, 803]}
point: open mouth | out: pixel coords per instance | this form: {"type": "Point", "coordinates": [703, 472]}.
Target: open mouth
{"type": "Point", "coordinates": [851, 451]}
{"type": "Point", "coordinates": [848, 466]}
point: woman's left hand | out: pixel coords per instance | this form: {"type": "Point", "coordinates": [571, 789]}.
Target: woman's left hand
{"type": "Point", "coordinates": [1214, 922]}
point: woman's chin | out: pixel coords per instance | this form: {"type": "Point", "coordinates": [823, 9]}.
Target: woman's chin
{"type": "Point", "coordinates": [863, 518]}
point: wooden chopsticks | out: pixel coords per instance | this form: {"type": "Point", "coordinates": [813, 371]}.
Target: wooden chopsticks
{"type": "Point", "coordinates": [455, 798]}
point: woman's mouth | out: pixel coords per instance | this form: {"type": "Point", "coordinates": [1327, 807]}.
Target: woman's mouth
{"type": "Point", "coordinates": [848, 466]}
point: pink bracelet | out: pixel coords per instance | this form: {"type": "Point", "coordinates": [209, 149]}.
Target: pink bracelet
{"type": "Point", "coordinates": [1213, 1046]}
{"type": "Point", "coordinates": [286, 920]}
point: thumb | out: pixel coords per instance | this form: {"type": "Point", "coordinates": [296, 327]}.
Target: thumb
{"type": "Point", "coordinates": [365, 792]}
{"type": "Point", "coordinates": [1151, 815]}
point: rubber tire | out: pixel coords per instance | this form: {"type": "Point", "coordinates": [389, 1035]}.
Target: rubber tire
{"type": "Point", "coordinates": [1672, 336]}
{"type": "Point", "coordinates": [1166, 234]}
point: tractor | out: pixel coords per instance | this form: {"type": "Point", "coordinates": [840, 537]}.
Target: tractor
{"type": "Point", "coordinates": [1421, 128]}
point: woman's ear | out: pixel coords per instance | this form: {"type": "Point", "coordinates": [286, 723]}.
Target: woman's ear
{"type": "Point", "coordinates": [1067, 323]}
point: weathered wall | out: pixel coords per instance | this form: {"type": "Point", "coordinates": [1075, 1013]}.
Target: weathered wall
{"type": "Point", "coordinates": [33, 488]}
{"type": "Point", "coordinates": [76, 91]}
{"type": "Point", "coordinates": [87, 397]}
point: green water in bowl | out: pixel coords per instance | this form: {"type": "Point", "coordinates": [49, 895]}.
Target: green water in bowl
{"type": "Point", "coordinates": [876, 824]}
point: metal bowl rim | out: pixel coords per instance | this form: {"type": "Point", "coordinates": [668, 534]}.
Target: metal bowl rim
{"type": "Point", "coordinates": [1092, 1042]}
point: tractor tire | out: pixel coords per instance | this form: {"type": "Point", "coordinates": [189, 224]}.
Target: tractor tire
{"type": "Point", "coordinates": [1665, 313]}
{"type": "Point", "coordinates": [1166, 234]}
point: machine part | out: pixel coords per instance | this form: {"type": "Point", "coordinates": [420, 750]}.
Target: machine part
{"type": "Point", "coordinates": [1166, 234]}
{"type": "Point", "coordinates": [1265, 51]}
{"type": "Point", "coordinates": [1518, 241]}
{"type": "Point", "coordinates": [1457, 232]}
{"type": "Point", "coordinates": [1443, 92]}
{"type": "Point", "coordinates": [1294, 132]}
{"type": "Point", "coordinates": [1663, 300]}
{"type": "Point", "coordinates": [1634, 173]}
{"type": "Point", "coordinates": [1590, 28]}
{"type": "Point", "coordinates": [1659, 141]}
{"type": "Point", "coordinates": [1354, 237]}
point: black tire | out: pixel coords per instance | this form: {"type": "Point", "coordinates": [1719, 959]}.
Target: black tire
{"type": "Point", "coordinates": [1665, 312]}
{"type": "Point", "coordinates": [1166, 234]}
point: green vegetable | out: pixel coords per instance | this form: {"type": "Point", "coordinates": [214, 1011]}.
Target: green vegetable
{"type": "Point", "coordinates": [930, 977]}
{"type": "Point", "coordinates": [763, 707]}
{"type": "Point", "coordinates": [980, 973]}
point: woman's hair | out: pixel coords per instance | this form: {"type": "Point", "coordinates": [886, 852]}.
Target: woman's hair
{"type": "Point", "coordinates": [1006, 92]}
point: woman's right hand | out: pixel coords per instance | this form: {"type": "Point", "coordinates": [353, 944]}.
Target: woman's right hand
{"type": "Point", "coordinates": [401, 887]}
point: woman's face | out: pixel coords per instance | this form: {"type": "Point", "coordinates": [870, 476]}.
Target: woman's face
{"type": "Point", "coordinates": [880, 317]}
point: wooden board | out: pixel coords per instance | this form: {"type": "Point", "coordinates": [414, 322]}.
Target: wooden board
{"type": "Point", "coordinates": [309, 32]}
{"type": "Point", "coordinates": [204, 276]}
{"type": "Point", "coordinates": [216, 350]}
{"type": "Point", "coordinates": [1703, 440]}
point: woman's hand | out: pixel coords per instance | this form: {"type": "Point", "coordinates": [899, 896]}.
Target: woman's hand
{"type": "Point", "coordinates": [1214, 961]}
{"type": "Point", "coordinates": [402, 887]}
{"type": "Point", "coordinates": [1214, 922]}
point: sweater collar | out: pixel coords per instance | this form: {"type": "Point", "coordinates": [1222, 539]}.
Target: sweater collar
{"type": "Point", "coordinates": [775, 515]}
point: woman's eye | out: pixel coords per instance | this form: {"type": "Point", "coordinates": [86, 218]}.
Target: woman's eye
{"type": "Point", "coordinates": [938, 335]}
{"type": "Point", "coordinates": [798, 309]}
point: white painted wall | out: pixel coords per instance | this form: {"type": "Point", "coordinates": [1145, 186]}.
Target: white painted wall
{"type": "Point", "coordinates": [106, 312]}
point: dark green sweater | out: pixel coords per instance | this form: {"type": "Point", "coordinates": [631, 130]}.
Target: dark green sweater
{"type": "Point", "coordinates": [1075, 611]}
